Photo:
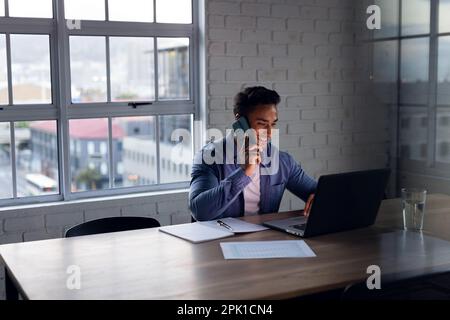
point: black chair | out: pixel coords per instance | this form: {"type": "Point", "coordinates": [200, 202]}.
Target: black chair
{"type": "Point", "coordinates": [113, 224]}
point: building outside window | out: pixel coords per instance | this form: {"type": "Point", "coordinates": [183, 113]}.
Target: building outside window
{"type": "Point", "coordinates": [71, 73]}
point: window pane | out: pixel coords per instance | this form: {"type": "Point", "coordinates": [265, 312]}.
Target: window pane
{"type": "Point", "coordinates": [2, 8]}
{"type": "Point", "coordinates": [85, 9]}
{"type": "Point", "coordinates": [36, 158]}
{"type": "Point", "coordinates": [443, 136]}
{"type": "Point", "coordinates": [30, 8]}
{"type": "Point", "coordinates": [175, 152]}
{"type": "Point", "coordinates": [413, 133]}
{"type": "Point", "coordinates": [3, 71]}
{"type": "Point", "coordinates": [414, 71]}
{"type": "Point", "coordinates": [132, 69]}
{"type": "Point", "coordinates": [130, 10]}
{"type": "Point", "coordinates": [443, 96]}
{"type": "Point", "coordinates": [390, 17]}
{"type": "Point", "coordinates": [30, 65]}
{"type": "Point", "coordinates": [385, 64]}
{"type": "Point", "coordinates": [444, 12]}
{"type": "Point", "coordinates": [135, 152]}
{"type": "Point", "coordinates": [88, 69]}
{"type": "Point", "coordinates": [89, 159]}
{"type": "Point", "coordinates": [5, 161]}
{"type": "Point", "coordinates": [173, 68]}
{"type": "Point", "coordinates": [174, 11]}
{"type": "Point", "coordinates": [415, 17]}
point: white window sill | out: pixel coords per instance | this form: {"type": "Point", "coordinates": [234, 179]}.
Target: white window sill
{"type": "Point", "coordinates": [103, 199]}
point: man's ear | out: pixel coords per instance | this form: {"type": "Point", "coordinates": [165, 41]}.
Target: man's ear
{"type": "Point", "coordinates": [237, 116]}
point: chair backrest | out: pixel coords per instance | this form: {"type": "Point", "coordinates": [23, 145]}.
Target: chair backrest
{"type": "Point", "coordinates": [113, 224]}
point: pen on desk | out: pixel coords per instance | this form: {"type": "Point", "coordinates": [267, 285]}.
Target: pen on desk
{"type": "Point", "coordinates": [223, 224]}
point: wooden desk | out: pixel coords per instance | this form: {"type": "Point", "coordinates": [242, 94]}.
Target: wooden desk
{"type": "Point", "coordinates": [148, 264]}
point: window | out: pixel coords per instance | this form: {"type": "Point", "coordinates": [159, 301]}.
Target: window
{"type": "Point", "coordinates": [88, 69]}
{"type": "Point", "coordinates": [415, 17]}
{"type": "Point", "coordinates": [173, 57]}
{"type": "Point", "coordinates": [91, 170]}
{"type": "Point", "coordinates": [85, 9]}
{"type": "Point", "coordinates": [5, 161]}
{"type": "Point", "coordinates": [385, 70]}
{"type": "Point", "coordinates": [443, 136]}
{"type": "Point", "coordinates": [132, 69]}
{"type": "Point", "coordinates": [413, 133]}
{"type": "Point", "coordinates": [423, 51]}
{"type": "Point", "coordinates": [414, 71]}
{"type": "Point", "coordinates": [443, 93]}
{"type": "Point", "coordinates": [390, 18]}
{"type": "Point", "coordinates": [174, 11]}
{"type": "Point", "coordinates": [444, 22]}
{"type": "Point", "coordinates": [30, 68]}
{"type": "Point", "coordinates": [3, 72]}
{"type": "Point", "coordinates": [37, 172]}
{"type": "Point", "coordinates": [131, 10]}
{"type": "Point", "coordinates": [116, 90]}
{"type": "Point", "coordinates": [175, 145]}
{"type": "Point", "coordinates": [30, 8]}
{"type": "Point", "coordinates": [138, 136]}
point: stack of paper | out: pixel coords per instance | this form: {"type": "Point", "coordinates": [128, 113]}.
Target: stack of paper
{"type": "Point", "coordinates": [210, 230]}
{"type": "Point", "coordinates": [238, 226]}
{"type": "Point", "coordinates": [196, 232]}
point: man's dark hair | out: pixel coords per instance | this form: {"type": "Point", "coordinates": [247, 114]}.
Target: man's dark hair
{"type": "Point", "coordinates": [247, 100]}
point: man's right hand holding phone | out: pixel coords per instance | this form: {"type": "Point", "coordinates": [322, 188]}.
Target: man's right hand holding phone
{"type": "Point", "coordinates": [252, 156]}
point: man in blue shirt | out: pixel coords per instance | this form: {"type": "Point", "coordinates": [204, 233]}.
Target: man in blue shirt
{"type": "Point", "coordinates": [235, 188]}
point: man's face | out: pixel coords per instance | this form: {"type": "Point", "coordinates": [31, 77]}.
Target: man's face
{"type": "Point", "coordinates": [263, 119]}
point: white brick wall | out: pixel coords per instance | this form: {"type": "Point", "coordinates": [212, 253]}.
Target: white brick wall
{"type": "Point", "coordinates": [306, 50]}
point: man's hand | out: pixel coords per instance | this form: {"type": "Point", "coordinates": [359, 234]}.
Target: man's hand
{"type": "Point", "coordinates": [252, 156]}
{"type": "Point", "coordinates": [308, 205]}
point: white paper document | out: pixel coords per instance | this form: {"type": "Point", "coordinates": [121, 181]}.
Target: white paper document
{"type": "Point", "coordinates": [266, 249]}
{"type": "Point", "coordinates": [238, 226]}
{"type": "Point", "coordinates": [210, 230]}
{"type": "Point", "coordinates": [196, 232]}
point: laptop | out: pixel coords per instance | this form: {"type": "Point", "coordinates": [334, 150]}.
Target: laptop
{"type": "Point", "coordinates": [342, 202]}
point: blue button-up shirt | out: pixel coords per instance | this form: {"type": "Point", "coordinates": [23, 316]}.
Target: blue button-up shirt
{"type": "Point", "coordinates": [216, 189]}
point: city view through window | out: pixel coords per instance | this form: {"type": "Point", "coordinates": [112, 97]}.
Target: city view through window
{"type": "Point", "coordinates": [134, 154]}
{"type": "Point", "coordinates": [105, 151]}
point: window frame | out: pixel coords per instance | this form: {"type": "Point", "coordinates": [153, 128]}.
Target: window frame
{"type": "Point", "coordinates": [62, 109]}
